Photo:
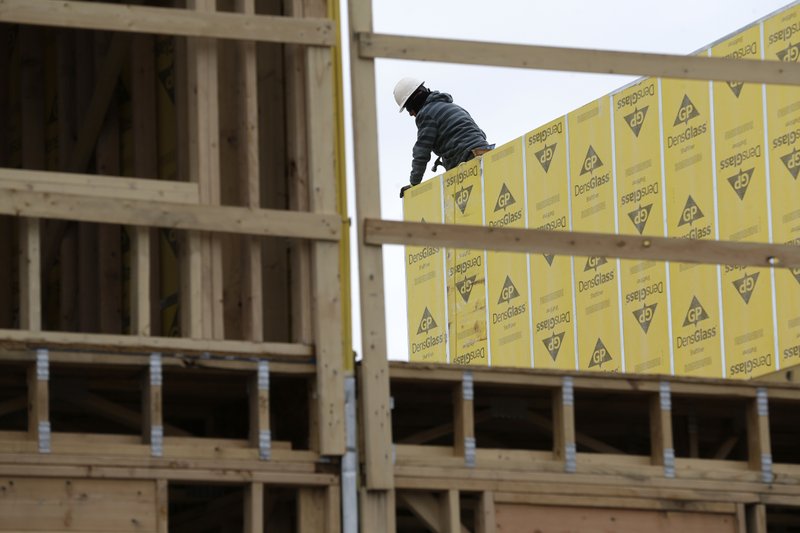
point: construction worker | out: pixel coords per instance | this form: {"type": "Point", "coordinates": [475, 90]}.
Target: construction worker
{"type": "Point", "coordinates": [442, 127]}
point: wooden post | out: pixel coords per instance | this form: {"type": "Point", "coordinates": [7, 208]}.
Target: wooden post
{"type": "Point", "coordinates": [33, 157]}
{"type": "Point", "coordinates": [485, 521]}
{"type": "Point", "coordinates": [327, 309]}
{"type": "Point", "coordinates": [451, 512]}
{"type": "Point", "coordinates": [464, 419]}
{"type": "Point", "coordinates": [162, 506]}
{"type": "Point", "coordinates": [564, 424]}
{"type": "Point", "coordinates": [374, 395]}
{"type": "Point", "coordinates": [310, 510]}
{"type": "Point", "coordinates": [757, 518]}
{"type": "Point", "coordinates": [254, 508]}
{"type": "Point", "coordinates": [377, 510]}
{"type": "Point", "coordinates": [333, 509]}
{"type": "Point", "coordinates": [260, 429]}
{"type": "Point", "coordinates": [143, 101]}
{"type": "Point", "coordinates": [152, 407]}
{"type": "Point", "coordinates": [758, 439]}
{"type": "Point", "coordinates": [661, 446]}
{"type": "Point", "coordinates": [39, 401]}
{"type": "Point", "coordinates": [203, 289]}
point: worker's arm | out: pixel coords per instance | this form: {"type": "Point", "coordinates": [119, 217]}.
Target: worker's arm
{"type": "Point", "coordinates": [426, 135]}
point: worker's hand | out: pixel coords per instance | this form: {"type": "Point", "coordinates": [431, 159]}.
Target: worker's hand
{"type": "Point", "coordinates": [404, 189]}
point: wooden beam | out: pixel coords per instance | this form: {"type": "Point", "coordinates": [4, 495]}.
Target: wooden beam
{"type": "Point", "coordinates": [39, 401]}
{"type": "Point", "coordinates": [757, 518]}
{"type": "Point", "coordinates": [485, 521]}
{"type": "Point", "coordinates": [564, 448]}
{"type": "Point", "coordinates": [377, 511]}
{"type": "Point", "coordinates": [116, 343]}
{"type": "Point", "coordinates": [168, 21]}
{"type": "Point", "coordinates": [249, 181]}
{"type": "Point", "coordinates": [374, 45]}
{"type": "Point", "coordinates": [30, 285]}
{"type": "Point", "coordinates": [424, 507]}
{"type": "Point", "coordinates": [222, 219]}
{"type": "Point", "coordinates": [310, 510]}
{"type": "Point", "coordinates": [162, 506]}
{"type": "Point", "coordinates": [254, 508]}
{"type": "Point", "coordinates": [451, 513]}
{"type": "Point", "coordinates": [326, 291]}
{"type": "Point", "coordinates": [378, 232]}
{"type": "Point", "coordinates": [662, 450]}
{"type": "Point", "coordinates": [374, 395]}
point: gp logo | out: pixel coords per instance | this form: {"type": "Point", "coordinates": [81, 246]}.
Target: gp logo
{"type": "Point", "coordinates": [636, 119]}
{"type": "Point", "coordinates": [796, 274]}
{"type": "Point", "coordinates": [644, 316]}
{"type": "Point", "coordinates": [462, 198]}
{"type": "Point", "coordinates": [690, 213]}
{"type": "Point", "coordinates": [426, 323]}
{"type": "Point", "coordinates": [591, 162]}
{"type": "Point", "coordinates": [695, 314]}
{"type": "Point", "coordinates": [639, 217]}
{"type": "Point", "coordinates": [549, 258]}
{"type": "Point", "coordinates": [504, 199]}
{"type": "Point", "coordinates": [745, 286]}
{"type": "Point", "coordinates": [600, 355]}
{"type": "Point", "coordinates": [545, 156]}
{"type": "Point", "coordinates": [741, 181]}
{"type": "Point", "coordinates": [593, 262]}
{"type": "Point", "coordinates": [464, 287]}
{"type": "Point", "coordinates": [790, 53]}
{"type": "Point", "coordinates": [553, 344]}
{"type": "Point", "coordinates": [508, 292]}
{"type": "Point", "coordinates": [792, 162]}
{"type": "Point", "coordinates": [736, 87]}
{"type": "Point", "coordinates": [686, 112]}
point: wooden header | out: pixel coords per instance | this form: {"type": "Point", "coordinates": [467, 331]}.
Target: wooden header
{"type": "Point", "coordinates": [169, 21]}
{"type": "Point", "coordinates": [380, 232]}
{"type": "Point", "coordinates": [374, 45]}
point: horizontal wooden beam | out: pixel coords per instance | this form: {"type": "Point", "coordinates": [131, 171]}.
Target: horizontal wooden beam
{"type": "Point", "coordinates": [582, 244]}
{"type": "Point", "coordinates": [12, 338]}
{"type": "Point", "coordinates": [221, 219]}
{"type": "Point", "coordinates": [153, 190]}
{"type": "Point", "coordinates": [375, 45]}
{"type": "Point", "coordinates": [169, 21]}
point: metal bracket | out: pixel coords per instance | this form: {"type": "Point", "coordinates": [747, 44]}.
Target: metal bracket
{"type": "Point", "coordinates": [44, 436]}
{"type": "Point", "coordinates": [570, 463]}
{"type": "Point", "coordinates": [264, 444]}
{"type": "Point", "coordinates": [470, 451]}
{"type": "Point", "coordinates": [156, 376]}
{"type": "Point", "coordinates": [665, 396]}
{"type": "Point", "coordinates": [468, 386]}
{"type": "Point", "coordinates": [43, 364]}
{"type": "Point", "coordinates": [263, 375]}
{"type": "Point", "coordinates": [669, 462]}
{"type": "Point", "coordinates": [766, 468]}
{"type": "Point", "coordinates": [157, 441]}
{"type": "Point", "coordinates": [568, 391]}
{"type": "Point", "coordinates": [762, 402]}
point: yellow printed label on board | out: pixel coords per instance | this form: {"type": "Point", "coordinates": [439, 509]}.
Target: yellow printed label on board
{"type": "Point", "coordinates": [742, 198]}
{"type": "Point", "coordinates": [689, 192]}
{"type": "Point", "coordinates": [466, 273]}
{"type": "Point", "coordinates": [551, 275]}
{"type": "Point", "coordinates": [425, 282]}
{"type": "Point", "coordinates": [596, 294]}
{"type": "Point", "coordinates": [782, 43]}
{"type": "Point", "coordinates": [645, 320]}
{"type": "Point", "coordinates": [509, 308]}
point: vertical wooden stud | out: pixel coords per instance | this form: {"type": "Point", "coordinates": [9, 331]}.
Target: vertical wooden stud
{"type": "Point", "coordinates": [757, 518]}
{"type": "Point", "coordinates": [162, 506]}
{"type": "Point", "coordinates": [485, 521]}
{"type": "Point", "coordinates": [662, 450]}
{"type": "Point", "coordinates": [374, 364]}
{"type": "Point", "coordinates": [39, 401]}
{"type": "Point", "coordinates": [152, 407]}
{"type": "Point", "coordinates": [564, 424]}
{"type": "Point", "coordinates": [758, 439]}
{"type": "Point", "coordinates": [464, 419]}
{"type": "Point", "coordinates": [327, 309]}
{"type": "Point", "coordinates": [260, 431]}
{"type": "Point", "coordinates": [377, 510]}
{"type": "Point", "coordinates": [254, 508]}
{"type": "Point", "coordinates": [451, 512]}
{"type": "Point", "coordinates": [310, 510]}
{"type": "Point", "coordinates": [741, 518]}
{"type": "Point", "coordinates": [333, 509]}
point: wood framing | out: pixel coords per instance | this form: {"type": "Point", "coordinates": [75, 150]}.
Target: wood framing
{"type": "Point", "coordinates": [580, 243]}
{"type": "Point", "coordinates": [375, 45]}
{"type": "Point", "coordinates": [168, 21]}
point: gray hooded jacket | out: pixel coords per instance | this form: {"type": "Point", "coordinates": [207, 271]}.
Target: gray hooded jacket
{"type": "Point", "coordinates": [447, 130]}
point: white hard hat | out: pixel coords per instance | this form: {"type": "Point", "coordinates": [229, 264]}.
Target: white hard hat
{"type": "Point", "coordinates": [404, 89]}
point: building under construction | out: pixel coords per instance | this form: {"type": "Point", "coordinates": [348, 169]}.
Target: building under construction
{"type": "Point", "coordinates": [175, 346]}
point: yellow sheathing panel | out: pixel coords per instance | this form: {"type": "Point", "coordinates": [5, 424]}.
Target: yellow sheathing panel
{"type": "Point", "coordinates": [551, 275]}
{"type": "Point", "coordinates": [742, 198]}
{"type": "Point", "coordinates": [640, 212]}
{"type": "Point", "coordinates": [781, 34]}
{"type": "Point", "coordinates": [466, 272]}
{"type": "Point", "coordinates": [689, 192]}
{"type": "Point", "coordinates": [596, 292]}
{"type": "Point", "coordinates": [427, 327]}
{"type": "Point", "coordinates": [509, 308]}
